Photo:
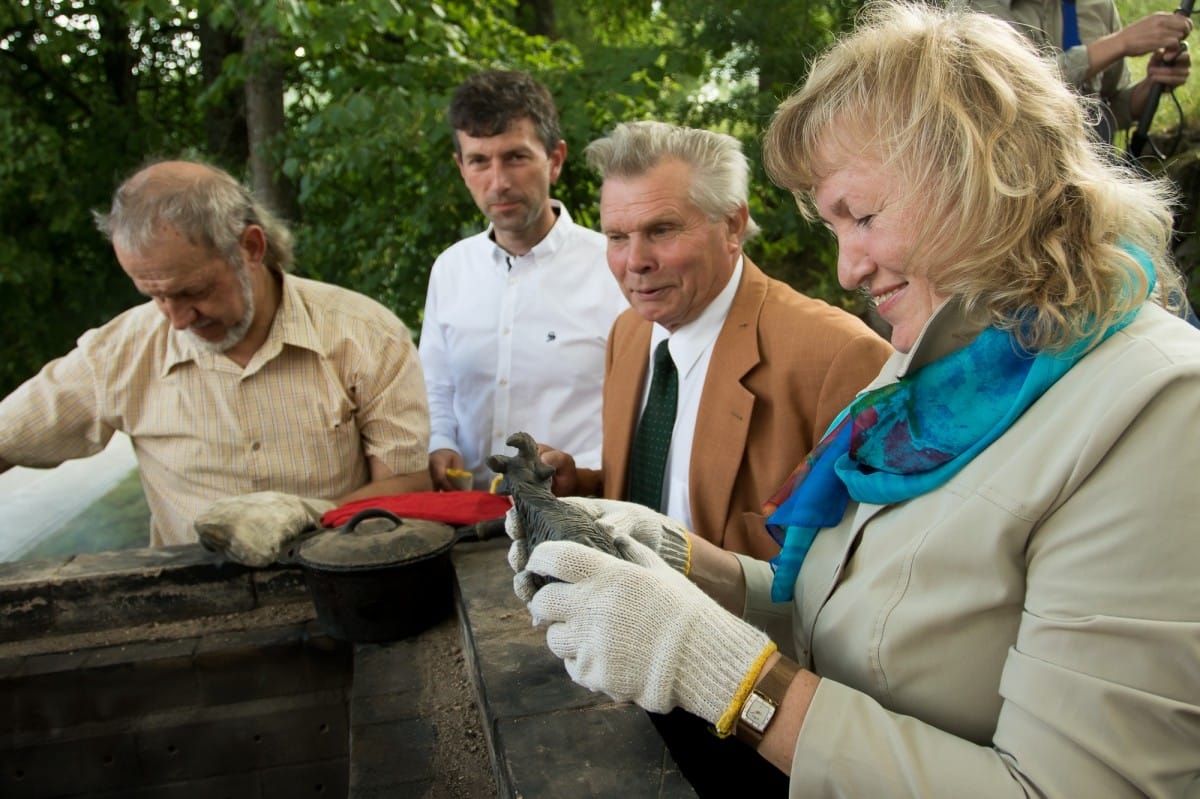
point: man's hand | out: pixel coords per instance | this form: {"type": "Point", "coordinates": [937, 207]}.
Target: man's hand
{"type": "Point", "coordinates": [439, 461]}
{"type": "Point", "coordinates": [565, 482]}
{"type": "Point", "coordinates": [1170, 67]}
{"type": "Point", "coordinates": [253, 529]}
{"type": "Point", "coordinates": [640, 631]}
{"type": "Point", "coordinates": [1158, 31]}
{"type": "Point", "coordinates": [663, 535]}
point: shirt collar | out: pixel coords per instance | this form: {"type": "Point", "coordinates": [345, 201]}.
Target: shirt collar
{"type": "Point", "coordinates": [551, 243]}
{"type": "Point", "coordinates": [691, 341]}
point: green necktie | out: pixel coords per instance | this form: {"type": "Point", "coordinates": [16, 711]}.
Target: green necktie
{"type": "Point", "coordinates": [648, 459]}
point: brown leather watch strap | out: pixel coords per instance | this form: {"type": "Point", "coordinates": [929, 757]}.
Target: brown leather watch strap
{"type": "Point", "coordinates": [758, 711]}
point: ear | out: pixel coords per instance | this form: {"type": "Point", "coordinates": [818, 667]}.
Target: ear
{"type": "Point", "coordinates": [736, 224]}
{"type": "Point", "coordinates": [254, 245]}
{"type": "Point", "coordinates": [558, 157]}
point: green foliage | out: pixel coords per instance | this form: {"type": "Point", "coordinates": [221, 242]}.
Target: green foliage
{"type": "Point", "coordinates": [81, 101]}
{"type": "Point", "coordinates": [751, 63]}
{"type": "Point", "coordinates": [370, 149]}
{"type": "Point", "coordinates": [91, 88]}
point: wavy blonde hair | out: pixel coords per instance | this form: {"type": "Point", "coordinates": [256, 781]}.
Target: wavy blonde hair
{"type": "Point", "coordinates": [1019, 213]}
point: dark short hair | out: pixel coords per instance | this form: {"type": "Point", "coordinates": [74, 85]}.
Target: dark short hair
{"type": "Point", "coordinates": [489, 103]}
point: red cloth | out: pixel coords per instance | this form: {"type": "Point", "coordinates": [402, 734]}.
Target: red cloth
{"type": "Point", "coordinates": [451, 507]}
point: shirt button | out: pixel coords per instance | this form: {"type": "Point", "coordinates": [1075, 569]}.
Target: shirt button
{"type": "Point", "coordinates": [256, 446]}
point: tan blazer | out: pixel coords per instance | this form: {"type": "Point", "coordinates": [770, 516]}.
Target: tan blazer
{"type": "Point", "coordinates": [1032, 627]}
{"type": "Point", "coordinates": [782, 368]}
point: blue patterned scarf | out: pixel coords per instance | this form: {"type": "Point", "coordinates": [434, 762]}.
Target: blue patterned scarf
{"type": "Point", "coordinates": [904, 439]}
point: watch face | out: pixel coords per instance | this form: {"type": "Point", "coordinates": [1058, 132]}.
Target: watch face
{"type": "Point", "coordinates": [757, 712]}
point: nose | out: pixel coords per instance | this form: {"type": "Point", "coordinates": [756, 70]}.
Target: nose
{"type": "Point", "coordinates": [639, 257]}
{"type": "Point", "coordinates": [854, 266]}
{"type": "Point", "coordinates": [498, 176]}
{"type": "Point", "coordinates": [180, 314]}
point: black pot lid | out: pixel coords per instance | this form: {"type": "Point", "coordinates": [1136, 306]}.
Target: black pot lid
{"type": "Point", "coordinates": [375, 538]}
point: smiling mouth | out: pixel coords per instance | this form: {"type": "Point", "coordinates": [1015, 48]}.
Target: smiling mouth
{"type": "Point", "coordinates": [880, 299]}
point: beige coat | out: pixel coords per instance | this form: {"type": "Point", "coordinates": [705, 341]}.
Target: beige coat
{"type": "Point", "coordinates": [1032, 627]}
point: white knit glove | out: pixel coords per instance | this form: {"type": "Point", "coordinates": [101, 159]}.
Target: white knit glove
{"type": "Point", "coordinates": [664, 535]}
{"type": "Point", "coordinates": [640, 631]}
{"type": "Point", "coordinates": [253, 529]}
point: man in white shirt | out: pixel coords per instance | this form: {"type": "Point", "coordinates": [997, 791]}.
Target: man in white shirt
{"type": "Point", "coordinates": [516, 317]}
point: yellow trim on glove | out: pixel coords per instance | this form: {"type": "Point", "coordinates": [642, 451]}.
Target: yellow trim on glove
{"type": "Point", "coordinates": [724, 725]}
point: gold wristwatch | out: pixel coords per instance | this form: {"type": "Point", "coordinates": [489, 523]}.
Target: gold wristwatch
{"type": "Point", "coordinates": [758, 711]}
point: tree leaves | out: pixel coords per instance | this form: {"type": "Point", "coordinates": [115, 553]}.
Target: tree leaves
{"type": "Point", "coordinates": [90, 89]}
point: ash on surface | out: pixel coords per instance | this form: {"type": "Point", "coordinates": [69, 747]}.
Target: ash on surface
{"type": "Point", "coordinates": [460, 750]}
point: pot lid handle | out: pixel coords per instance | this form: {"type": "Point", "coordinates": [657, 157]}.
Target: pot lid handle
{"type": "Point", "coordinates": [391, 541]}
{"type": "Point", "coordinates": [371, 513]}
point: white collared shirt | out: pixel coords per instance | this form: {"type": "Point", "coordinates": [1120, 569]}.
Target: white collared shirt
{"type": "Point", "coordinates": [516, 343]}
{"type": "Point", "coordinates": [691, 348]}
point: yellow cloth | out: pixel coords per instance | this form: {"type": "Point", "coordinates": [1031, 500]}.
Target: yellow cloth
{"type": "Point", "coordinates": [338, 379]}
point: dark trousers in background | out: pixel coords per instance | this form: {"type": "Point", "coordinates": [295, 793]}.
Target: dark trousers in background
{"type": "Point", "coordinates": [721, 768]}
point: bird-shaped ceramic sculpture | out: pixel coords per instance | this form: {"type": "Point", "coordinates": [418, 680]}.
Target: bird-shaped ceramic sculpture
{"type": "Point", "coordinates": [526, 478]}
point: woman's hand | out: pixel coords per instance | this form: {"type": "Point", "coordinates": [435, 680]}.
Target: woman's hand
{"type": "Point", "coordinates": [662, 534]}
{"type": "Point", "coordinates": [637, 630]}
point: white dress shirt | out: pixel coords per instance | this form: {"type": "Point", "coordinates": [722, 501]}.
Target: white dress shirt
{"type": "Point", "coordinates": [516, 343]}
{"type": "Point", "coordinates": [691, 348]}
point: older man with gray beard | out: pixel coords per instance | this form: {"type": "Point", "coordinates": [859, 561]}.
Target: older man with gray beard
{"type": "Point", "coordinates": [273, 396]}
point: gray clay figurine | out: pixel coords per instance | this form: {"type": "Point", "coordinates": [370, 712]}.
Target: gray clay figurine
{"type": "Point", "coordinates": [543, 516]}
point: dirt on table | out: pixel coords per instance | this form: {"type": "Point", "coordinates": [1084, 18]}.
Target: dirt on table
{"type": "Point", "coordinates": [460, 752]}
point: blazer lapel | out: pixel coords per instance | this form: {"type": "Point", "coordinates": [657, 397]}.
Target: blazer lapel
{"type": "Point", "coordinates": [624, 378]}
{"type": "Point", "coordinates": [726, 406]}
